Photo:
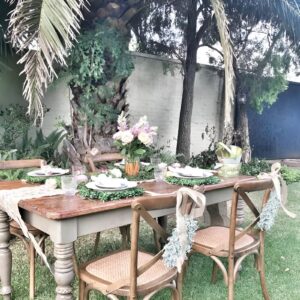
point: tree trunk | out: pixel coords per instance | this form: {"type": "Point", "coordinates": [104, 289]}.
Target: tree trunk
{"type": "Point", "coordinates": [85, 136]}
{"type": "Point", "coordinates": [243, 126]}
{"type": "Point", "coordinates": [184, 130]}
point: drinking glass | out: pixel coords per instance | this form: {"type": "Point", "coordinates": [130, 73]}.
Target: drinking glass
{"type": "Point", "coordinates": [69, 185]}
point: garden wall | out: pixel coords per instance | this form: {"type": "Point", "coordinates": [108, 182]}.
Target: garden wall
{"type": "Point", "coordinates": [151, 92]}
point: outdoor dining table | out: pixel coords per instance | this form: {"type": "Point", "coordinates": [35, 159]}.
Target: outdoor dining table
{"type": "Point", "coordinates": [66, 218]}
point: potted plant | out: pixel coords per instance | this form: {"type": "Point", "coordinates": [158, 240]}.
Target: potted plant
{"type": "Point", "coordinates": [133, 142]}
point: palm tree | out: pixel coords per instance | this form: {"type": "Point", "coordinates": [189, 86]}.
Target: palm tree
{"type": "Point", "coordinates": [44, 33]}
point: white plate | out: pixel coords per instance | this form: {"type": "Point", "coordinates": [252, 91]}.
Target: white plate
{"type": "Point", "coordinates": [190, 173]}
{"type": "Point", "coordinates": [92, 185]}
{"type": "Point", "coordinates": [55, 172]}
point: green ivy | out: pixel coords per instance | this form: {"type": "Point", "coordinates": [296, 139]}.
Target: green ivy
{"type": "Point", "coordinates": [108, 196]}
{"type": "Point", "coordinates": [97, 63]}
{"type": "Point", "coordinates": [192, 182]}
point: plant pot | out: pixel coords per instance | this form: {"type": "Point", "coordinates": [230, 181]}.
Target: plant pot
{"type": "Point", "coordinates": [132, 167]}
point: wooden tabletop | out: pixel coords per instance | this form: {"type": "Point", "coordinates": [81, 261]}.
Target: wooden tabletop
{"type": "Point", "coordinates": [63, 207]}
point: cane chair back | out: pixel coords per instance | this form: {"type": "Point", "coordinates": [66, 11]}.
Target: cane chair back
{"type": "Point", "coordinates": [132, 273]}
{"type": "Point", "coordinates": [233, 242]}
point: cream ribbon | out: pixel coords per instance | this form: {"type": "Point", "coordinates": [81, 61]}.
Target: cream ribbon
{"type": "Point", "coordinates": [9, 200]}
{"type": "Point", "coordinates": [199, 203]}
{"type": "Point", "coordinates": [280, 186]}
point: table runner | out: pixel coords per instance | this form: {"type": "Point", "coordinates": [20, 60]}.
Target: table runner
{"type": "Point", "coordinates": [9, 200]}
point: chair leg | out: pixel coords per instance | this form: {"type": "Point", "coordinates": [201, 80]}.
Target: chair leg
{"type": "Point", "coordinates": [31, 271]}
{"type": "Point", "coordinates": [261, 265]}
{"type": "Point", "coordinates": [97, 240]}
{"type": "Point", "coordinates": [82, 286]}
{"type": "Point", "coordinates": [231, 278]}
{"type": "Point", "coordinates": [214, 273]}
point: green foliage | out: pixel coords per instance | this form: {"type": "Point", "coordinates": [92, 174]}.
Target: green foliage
{"type": "Point", "coordinates": [263, 91]}
{"type": "Point", "coordinates": [97, 63]}
{"type": "Point", "coordinates": [255, 167]}
{"type": "Point", "coordinates": [43, 146]}
{"type": "Point", "coordinates": [109, 196]}
{"type": "Point", "coordinates": [12, 174]}
{"type": "Point", "coordinates": [290, 175]}
{"type": "Point", "coordinates": [14, 124]}
{"type": "Point", "coordinates": [41, 180]}
{"type": "Point", "coordinates": [193, 182]}
{"type": "Point", "coordinates": [205, 160]}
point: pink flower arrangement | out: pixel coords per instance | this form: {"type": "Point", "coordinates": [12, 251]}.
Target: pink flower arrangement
{"type": "Point", "coordinates": [134, 141]}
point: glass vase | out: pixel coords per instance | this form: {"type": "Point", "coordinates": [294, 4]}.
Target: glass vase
{"type": "Point", "coordinates": [132, 166]}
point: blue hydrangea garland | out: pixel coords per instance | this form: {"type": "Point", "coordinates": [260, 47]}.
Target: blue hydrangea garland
{"type": "Point", "coordinates": [175, 252]}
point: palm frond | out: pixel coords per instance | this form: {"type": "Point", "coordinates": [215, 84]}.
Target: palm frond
{"type": "Point", "coordinates": [44, 31]}
{"type": "Point", "coordinates": [222, 23]}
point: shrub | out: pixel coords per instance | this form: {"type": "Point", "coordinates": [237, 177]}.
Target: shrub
{"type": "Point", "coordinates": [255, 167]}
{"type": "Point", "coordinates": [290, 175]}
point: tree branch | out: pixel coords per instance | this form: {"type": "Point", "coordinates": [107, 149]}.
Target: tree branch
{"type": "Point", "coordinates": [212, 47]}
{"type": "Point", "coordinates": [202, 29]}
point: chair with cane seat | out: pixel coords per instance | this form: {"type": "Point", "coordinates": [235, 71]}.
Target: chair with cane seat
{"type": "Point", "coordinates": [233, 243]}
{"type": "Point", "coordinates": [15, 228]}
{"type": "Point", "coordinates": [132, 273]}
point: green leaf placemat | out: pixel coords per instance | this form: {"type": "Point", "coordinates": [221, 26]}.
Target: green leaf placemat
{"type": "Point", "coordinates": [192, 182]}
{"type": "Point", "coordinates": [41, 180]}
{"type": "Point", "coordinates": [108, 196]}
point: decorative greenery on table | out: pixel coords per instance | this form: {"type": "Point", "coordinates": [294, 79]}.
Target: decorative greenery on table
{"type": "Point", "coordinates": [37, 179]}
{"type": "Point", "coordinates": [192, 182]}
{"type": "Point", "coordinates": [108, 196]}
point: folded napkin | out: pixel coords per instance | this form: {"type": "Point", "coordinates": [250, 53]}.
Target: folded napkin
{"type": "Point", "coordinates": [9, 200]}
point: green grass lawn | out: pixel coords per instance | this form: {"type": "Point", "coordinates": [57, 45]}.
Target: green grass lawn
{"type": "Point", "coordinates": [282, 265]}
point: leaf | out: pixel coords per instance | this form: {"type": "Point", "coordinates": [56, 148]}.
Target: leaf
{"type": "Point", "coordinates": [44, 31]}
{"type": "Point", "coordinates": [139, 152]}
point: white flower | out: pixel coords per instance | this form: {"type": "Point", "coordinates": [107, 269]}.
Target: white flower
{"type": "Point", "coordinates": [142, 122]}
{"type": "Point", "coordinates": [117, 135]}
{"type": "Point", "coordinates": [126, 137]}
{"type": "Point", "coordinates": [145, 138]}
{"type": "Point", "coordinates": [115, 172]}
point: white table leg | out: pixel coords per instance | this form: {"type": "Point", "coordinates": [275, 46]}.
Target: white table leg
{"type": "Point", "coordinates": [5, 257]}
{"type": "Point", "coordinates": [63, 270]}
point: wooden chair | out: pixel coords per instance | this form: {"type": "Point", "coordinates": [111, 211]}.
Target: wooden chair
{"type": "Point", "coordinates": [15, 228]}
{"type": "Point", "coordinates": [132, 273]}
{"type": "Point", "coordinates": [103, 157]}
{"type": "Point", "coordinates": [107, 157]}
{"type": "Point", "coordinates": [233, 243]}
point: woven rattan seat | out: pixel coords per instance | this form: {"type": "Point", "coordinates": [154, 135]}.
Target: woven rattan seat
{"type": "Point", "coordinates": [215, 236]}
{"type": "Point", "coordinates": [116, 266]}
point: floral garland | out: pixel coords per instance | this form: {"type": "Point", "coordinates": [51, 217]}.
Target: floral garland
{"type": "Point", "coordinates": [108, 196]}
{"type": "Point", "coordinates": [173, 249]}
{"type": "Point", "coordinates": [193, 182]}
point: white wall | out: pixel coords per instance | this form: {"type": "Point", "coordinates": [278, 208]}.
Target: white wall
{"type": "Point", "coordinates": [158, 95]}
{"type": "Point", "coordinates": [151, 92]}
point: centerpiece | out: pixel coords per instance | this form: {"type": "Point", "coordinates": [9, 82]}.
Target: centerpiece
{"type": "Point", "coordinates": [133, 142]}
